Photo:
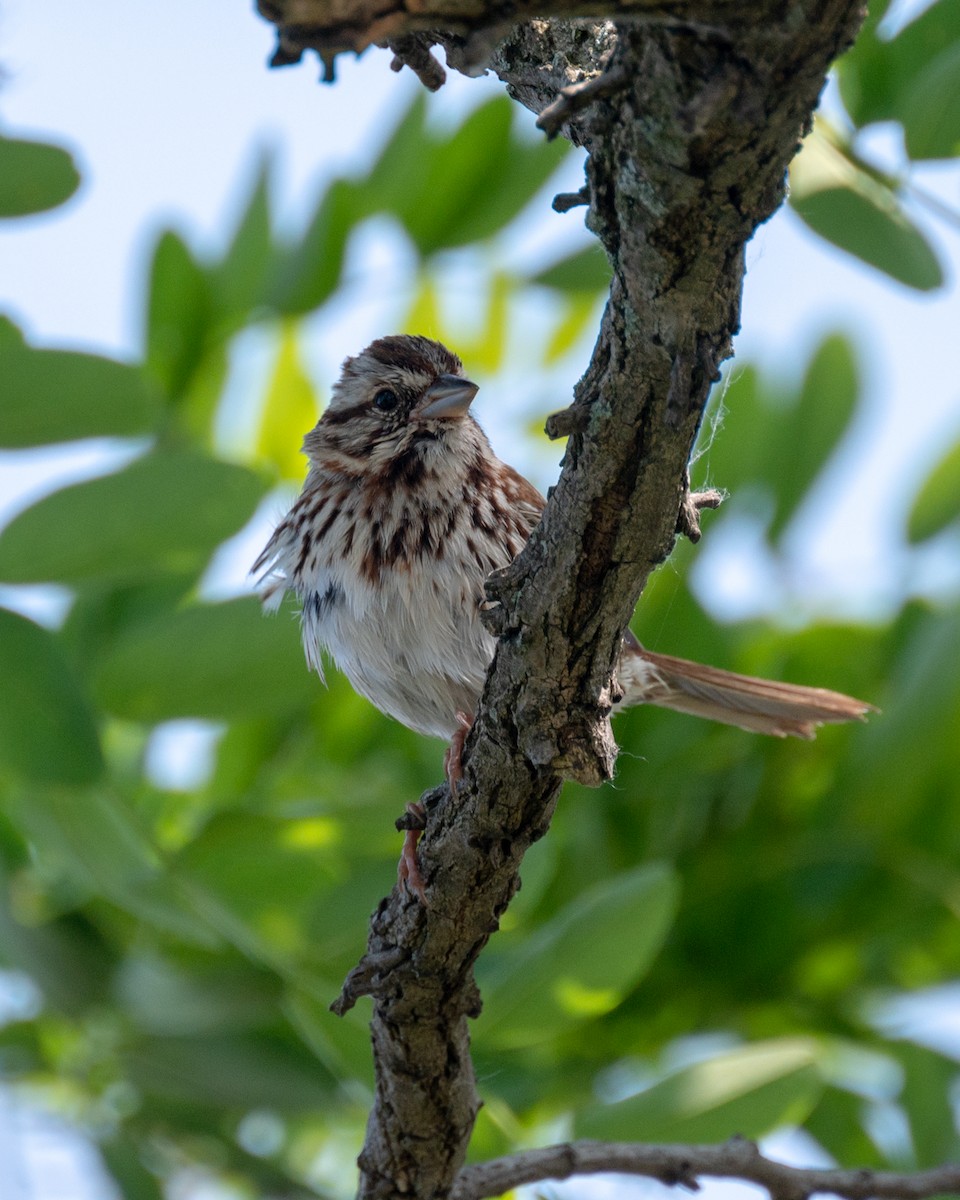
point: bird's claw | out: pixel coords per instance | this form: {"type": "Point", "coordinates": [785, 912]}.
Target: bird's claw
{"type": "Point", "coordinates": [408, 868]}
{"type": "Point", "coordinates": [453, 759]}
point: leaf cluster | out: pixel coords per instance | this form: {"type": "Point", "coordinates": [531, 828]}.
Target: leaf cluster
{"type": "Point", "coordinates": [697, 950]}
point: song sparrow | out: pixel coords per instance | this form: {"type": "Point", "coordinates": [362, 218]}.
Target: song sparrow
{"type": "Point", "coordinates": [404, 513]}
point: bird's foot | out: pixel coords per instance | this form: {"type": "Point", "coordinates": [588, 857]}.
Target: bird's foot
{"type": "Point", "coordinates": [408, 868]}
{"type": "Point", "coordinates": [453, 759]}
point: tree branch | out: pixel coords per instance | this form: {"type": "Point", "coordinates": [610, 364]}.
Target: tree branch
{"type": "Point", "coordinates": [685, 1165]}
{"type": "Point", "coordinates": [686, 158]}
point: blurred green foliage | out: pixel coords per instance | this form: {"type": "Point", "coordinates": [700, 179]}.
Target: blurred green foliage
{"type": "Point", "coordinates": [905, 72]}
{"type": "Point", "coordinates": [185, 942]}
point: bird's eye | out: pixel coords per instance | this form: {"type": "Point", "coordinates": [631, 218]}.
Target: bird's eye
{"type": "Point", "coordinates": [386, 400]}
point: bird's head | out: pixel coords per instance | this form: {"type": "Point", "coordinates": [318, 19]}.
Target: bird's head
{"type": "Point", "coordinates": [402, 401]}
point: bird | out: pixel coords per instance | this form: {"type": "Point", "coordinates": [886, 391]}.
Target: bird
{"type": "Point", "coordinates": [404, 513]}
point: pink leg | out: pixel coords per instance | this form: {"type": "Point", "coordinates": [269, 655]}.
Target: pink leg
{"type": "Point", "coordinates": [408, 869]}
{"type": "Point", "coordinates": [452, 764]}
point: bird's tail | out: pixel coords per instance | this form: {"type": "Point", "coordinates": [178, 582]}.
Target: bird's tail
{"type": "Point", "coordinates": [759, 705]}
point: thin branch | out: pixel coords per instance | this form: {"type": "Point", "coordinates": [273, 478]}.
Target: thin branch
{"type": "Point", "coordinates": [684, 1165]}
{"type": "Point", "coordinates": [577, 96]}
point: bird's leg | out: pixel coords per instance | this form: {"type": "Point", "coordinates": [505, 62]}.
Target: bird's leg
{"type": "Point", "coordinates": [452, 760]}
{"type": "Point", "coordinates": [408, 869]}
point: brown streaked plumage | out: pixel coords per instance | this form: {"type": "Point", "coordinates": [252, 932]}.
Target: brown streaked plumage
{"type": "Point", "coordinates": [404, 513]}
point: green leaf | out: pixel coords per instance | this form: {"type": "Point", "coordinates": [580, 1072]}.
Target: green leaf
{"type": "Point", "coordinates": [582, 963]}
{"type": "Point", "coordinates": [837, 1122]}
{"type": "Point", "coordinates": [165, 513]}
{"type": "Point", "coordinates": [931, 108]}
{"type": "Point", "coordinates": [66, 958]}
{"type": "Point", "coordinates": [169, 998]}
{"type": "Point", "coordinates": [59, 396]}
{"type": "Point", "coordinates": [517, 169]}
{"type": "Point", "coordinates": [749, 1091]}
{"type": "Point", "coordinates": [878, 74]}
{"type": "Point", "coordinates": [384, 183]}
{"type": "Point", "coordinates": [938, 502]}
{"type": "Point", "coordinates": [34, 177]}
{"type": "Point", "coordinates": [448, 191]}
{"type": "Point", "coordinates": [239, 278]}
{"type": "Point", "coordinates": [929, 1083]}
{"type": "Point", "coordinates": [816, 423]}
{"type": "Point", "coordinates": [179, 314]}
{"type": "Point", "coordinates": [585, 271]}
{"type": "Point", "coordinates": [309, 272]}
{"type": "Point", "coordinates": [122, 1158]}
{"type": "Point", "coordinates": [236, 1072]}
{"type": "Point", "coordinates": [882, 236]}
{"type": "Point", "coordinates": [783, 440]}
{"type": "Point", "coordinates": [221, 661]}
{"type": "Point", "coordinates": [11, 335]}
{"type": "Point", "coordinates": [47, 728]}
{"type": "Point", "coordinates": [452, 177]}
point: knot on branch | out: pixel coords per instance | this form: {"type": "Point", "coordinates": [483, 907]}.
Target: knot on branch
{"type": "Point", "coordinates": [567, 421]}
{"type": "Point", "coordinates": [414, 51]}
{"type": "Point", "coordinates": [577, 96]}
{"type": "Point", "coordinates": [688, 518]}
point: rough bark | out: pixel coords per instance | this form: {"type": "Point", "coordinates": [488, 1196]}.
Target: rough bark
{"type": "Point", "coordinates": [688, 142]}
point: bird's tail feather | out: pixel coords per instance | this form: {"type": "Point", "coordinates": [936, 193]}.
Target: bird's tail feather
{"type": "Point", "coordinates": [759, 705]}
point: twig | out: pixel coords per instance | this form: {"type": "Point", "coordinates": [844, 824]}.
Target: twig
{"type": "Point", "coordinates": [684, 1165]}
{"type": "Point", "coordinates": [366, 978]}
{"type": "Point", "coordinates": [413, 51]}
{"type": "Point", "coordinates": [688, 519]}
{"type": "Point", "coordinates": [577, 96]}
{"type": "Point", "coordinates": [564, 201]}
{"type": "Point", "coordinates": [567, 421]}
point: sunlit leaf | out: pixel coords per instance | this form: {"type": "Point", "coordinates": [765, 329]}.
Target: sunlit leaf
{"type": "Point", "coordinates": [485, 352]}
{"type": "Point", "coordinates": [582, 963]}
{"type": "Point", "coordinates": [164, 513]}
{"type": "Point", "coordinates": [34, 177]}
{"type": "Point", "coordinates": [290, 408]}
{"type": "Point", "coordinates": [424, 316]}
{"type": "Point", "coordinates": [749, 1091]}
{"type": "Point", "coordinates": [59, 395]}
{"type": "Point", "coordinates": [47, 728]}
{"type": "Point", "coordinates": [882, 236]}
{"type": "Point", "coordinates": [220, 661]}
{"type": "Point", "coordinates": [938, 502]}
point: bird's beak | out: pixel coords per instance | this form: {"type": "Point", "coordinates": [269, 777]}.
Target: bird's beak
{"type": "Point", "coordinates": [448, 396]}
